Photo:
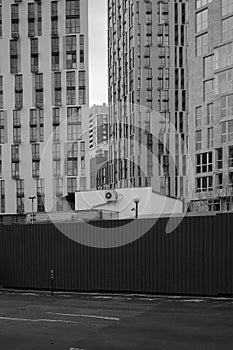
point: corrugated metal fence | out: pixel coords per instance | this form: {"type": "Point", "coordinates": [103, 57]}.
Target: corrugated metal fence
{"type": "Point", "coordinates": [194, 259]}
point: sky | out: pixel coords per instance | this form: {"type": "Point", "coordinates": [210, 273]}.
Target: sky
{"type": "Point", "coordinates": [98, 51]}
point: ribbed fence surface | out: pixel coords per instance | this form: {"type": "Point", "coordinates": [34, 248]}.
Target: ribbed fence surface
{"type": "Point", "coordinates": [196, 258]}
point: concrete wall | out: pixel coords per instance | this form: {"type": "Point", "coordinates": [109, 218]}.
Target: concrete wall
{"type": "Point", "coordinates": [150, 202]}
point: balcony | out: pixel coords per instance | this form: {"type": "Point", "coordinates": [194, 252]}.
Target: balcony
{"type": "Point", "coordinates": [230, 162]}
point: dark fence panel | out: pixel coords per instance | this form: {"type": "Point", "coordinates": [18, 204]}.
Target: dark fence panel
{"type": "Point", "coordinates": [196, 258]}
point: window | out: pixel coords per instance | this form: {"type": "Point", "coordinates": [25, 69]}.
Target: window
{"type": "Point", "coordinates": [224, 56]}
{"type": "Point", "coordinates": [82, 87]}
{"type": "Point", "coordinates": [56, 116]}
{"type": "Point", "coordinates": [2, 188]}
{"type": "Point", "coordinates": [18, 91]}
{"type": "Point", "coordinates": [56, 168]}
{"type": "Point", "coordinates": [70, 88]}
{"type": "Point", "coordinates": [81, 51]}
{"type": "Point", "coordinates": [1, 92]}
{"type": "Point", "coordinates": [71, 59]}
{"type": "Point", "coordinates": [14, 21]}
{"type": "Point", "coordinates": [31, 19]}
{"type": "Point", "coordinates": [227, 7]}
{"type": "Point", "coordinates": [57, 89]}
{"type": "Point", "coordinates": [227, 29]}
{"type": "Point", "coordinates": [230, 156]}
{"type": "Point", "coordinates": [14, 53]}
{"type": "Point", "coordinates": [227, 131]}
{"type": "Point", "coordinates": [20, 196]}
{"type": "Point", "coordinates": [73, 123]}
{"type": "Point", "coordinates": [54, 18]}
{"type": "Point", "coordinates": [35, 169]}
{"type": "Point", "coordinates": [55, 53]}
{"type": "Point", "coordinates": [39, 90]}
{"type": "Point", "coordinates": [16, 127]}
{"type": "Point", "coordinates": [3, 123]}
{"type": "Point", "coordinates": [227, 106]}
{"type": "Point", "coordinates": [210, 113]}
{"type": "Point", "coordinates": [204, 162]}
{"type": "Point", "coordinates": [198, 139]}
{"type": "Point", "coordinates": [208, 66]}
{"type": "Point", "coordinates": [72, 16]}
{"type": "Point", "coordinates": [72, 167]}
{"type": "Point", "coordinates": [200, 3]}
{"type": "Point", "coordinates": [204, 184]}
{"type": "Point", "coordinates": [219, 158]}
{"type": "Point", "coordinates": [210, 137]}
{"type": "Point", "coordinates": [208, 89]}
{"type": "Point", "coordinates": [36, 152]}
{"type": "Point", "coordinates": [40, 191]}
{"type": "Point", "coordinates": [39, 18]}
{"type": "Point", "coordinates": [201, 20]}
{"type": "Point", "coordinates": [0, 20]}
{"type": "Point", "coordinates": [56, 151]}
{"type": "Point", "coordinates": [34, 55]}
{"type": "Point", "coordinates": [198, 116]}
{"type": "Point", "coordinates": [15, 153]}
{"type": "Point", "coordinates": [71, 184]}
{"type": "Point", "coordinates": [224, 81]}
{"type": "Point", "coordinates": [202, 44]}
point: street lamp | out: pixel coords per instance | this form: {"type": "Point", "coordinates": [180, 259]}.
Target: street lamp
{"type": "Point", "coordinates": [33, 215]}
{"type": "Point", "coordinates": [136, 200]}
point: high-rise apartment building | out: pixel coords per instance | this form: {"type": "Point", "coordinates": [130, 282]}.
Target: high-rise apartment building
{"type": "Point", "coordinates": [210, 63]}
{"type": "Point", "coordinates": [147, 94]}
{"type": "Point", "coordinates": [43, 89]}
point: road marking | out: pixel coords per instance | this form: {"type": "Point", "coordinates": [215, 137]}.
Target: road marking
{"type": "Point", "coordinates": [88, 316]}
{"type": "Point", "coordinates": [32, 320]}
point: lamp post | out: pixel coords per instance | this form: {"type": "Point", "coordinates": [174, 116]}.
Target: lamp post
{"type": "Point", "coordinates": [136, 200]}
{"type": "Point", "coordinates": [32, 199]}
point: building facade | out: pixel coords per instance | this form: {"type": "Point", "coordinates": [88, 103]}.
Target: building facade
{"type": "Point", "coordinates": [95, 135]}
{"type": "Point", "coordinates": [43, 89]}
{"type": "Point", "coordinates": [147, 94]}
{"type": "Point", "coordinates": [210, 58]}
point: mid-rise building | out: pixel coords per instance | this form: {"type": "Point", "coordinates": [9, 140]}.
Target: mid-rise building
{"type": "Point", "coordinates": [43, 89]}
{"type": "Point", "coordinates": [210, 67]}
{"type": "Point", "coordinates": [147, 94]}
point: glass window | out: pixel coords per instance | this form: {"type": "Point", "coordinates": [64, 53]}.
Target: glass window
{"type": "Point", "coordinates": [227, 131]}
{"type": "Point", "coordinates": [227, 7]}
{"type": "Point", "coordinates": [208, 89]}
{"type": "Point", "coordinates": [198, 138]}
{"type": "Point", "coordinates": [210, 113]}
{"type": "Point", "coordinates": [224, 81]}
{"type": "Point", "coordinates": [227, 29]}
{"type": "Point", "coordinates": [210, 137]}
{"type": "Point", "coordinates": [202, 44]}
{"type": "Point", "coordinates": [208, 66]}
{"type": "Point", "coordinates": [224, 56]}
{"type": "Point", "coordinates": [201, 20]}
{"type": "Point", "coordinates": [198, 116]}
{"type": "Point", "coordinates": [227, 106]}
{"type": "Point", "coordinates": [200, 3]}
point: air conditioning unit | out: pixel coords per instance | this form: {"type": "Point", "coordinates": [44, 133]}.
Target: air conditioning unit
{"type": "Point", "coordinates": [111, 196]}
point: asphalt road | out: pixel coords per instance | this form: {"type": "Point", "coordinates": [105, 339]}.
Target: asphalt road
{"type": "Point", "coordinates": [37, 321]}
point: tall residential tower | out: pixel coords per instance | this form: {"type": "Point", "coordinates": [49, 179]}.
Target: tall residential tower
{"type": "Point", "coordinates": [43, 89]}
{"type": "Point", "coordinates": [147, 94]}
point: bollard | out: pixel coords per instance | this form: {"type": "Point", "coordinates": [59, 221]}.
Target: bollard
{"type": "Point", "coordinates": [52, 280]}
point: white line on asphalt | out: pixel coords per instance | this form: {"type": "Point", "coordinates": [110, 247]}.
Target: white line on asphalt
{"type": "Point", "coordinates": [32, 320]}
{"type": "Point", "coordinates": [88, 316]}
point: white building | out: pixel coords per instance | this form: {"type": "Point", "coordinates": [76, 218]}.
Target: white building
{"type": "Point", "coordinates": [122, 202]}
{"type": "Point", "coordinates": [43, 89]}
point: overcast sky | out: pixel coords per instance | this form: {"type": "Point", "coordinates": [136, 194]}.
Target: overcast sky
{"type": "Point", "coordinates": [98, 51]}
